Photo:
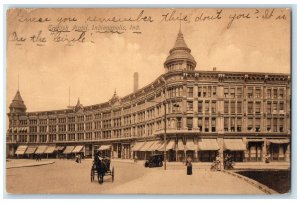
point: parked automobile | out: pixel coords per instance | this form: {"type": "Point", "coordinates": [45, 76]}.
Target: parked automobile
{"type": "Point", "coordinates": [155, 160]}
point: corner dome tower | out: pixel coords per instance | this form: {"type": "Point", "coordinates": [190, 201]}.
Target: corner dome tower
{"type": "Point", "coordinates": [17, 105]}
{"type": "Point", "coordinates": [180, 57]}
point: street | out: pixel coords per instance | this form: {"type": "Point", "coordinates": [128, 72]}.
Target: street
{"type": "Point", "coordinates": [69, 177]}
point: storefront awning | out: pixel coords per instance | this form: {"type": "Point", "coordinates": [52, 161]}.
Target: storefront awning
{"type": "Point", "coordinates": [190, 145]}
{"type": "Point", "coordinates": [208, 145]}
{"type": "Point", "coordinates": [77, 149]}
{"type": "Point", "coordinates": [152, 143]}
{"type": "Point", "coordinates": [21, 149]}
{"type": "Point", "coordinates": [41, 149]}
{"type": "Point", "coordinates": [30, 150]}
{"type": "Point", "coordinates": [180, 146]}
{"type": "Point", "coordinates": [155, 146]}
{"type": "Point", "coordinates": [234, 145]}
{"type": "Point", "coordinates": [49, 150]}
{"type": "Point", "coordinates": [279, 141]}
{"type": "Point", "coordinates": [104, 147]}
{"type": "Point", "coordinates": [68, 149]}
{"type": "Point", "coordinates": [59, 148]}
{"type": "Point", "coordinates": [146, 146]}
{"type": "Point", "coordinates": [171, 145]}
{"type": "Point", "coordinates": [138, 146]}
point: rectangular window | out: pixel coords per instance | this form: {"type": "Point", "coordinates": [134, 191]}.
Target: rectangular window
{"type": "Point", "coordinates": [190, 91]}
{"type": "Point", "coordinates": [275, 125]}
{"type": "Point", "coordinates": [226, 124]}
{"type": "Point", "coordinates": [257, 107]}
{"type": "Point", "coordinates": [200, 107]}
{"type": "Point", "coordinates": [232, 92]}
{"type": "Point", "coordinates": [200, 124]}
{"type": "Point", "coordinates": [269, 109]}
{"type": "Point", "coordinates": [213, 124]}
{"type": "Point", "coordinates": [269, 93]}
{"type": "Point", "coordinates": [214, 91]}
{"type": "Point", "coordinates": [232, 107]}
{"type": "Point", "coordinates": [206, 125]}
{"type": "Point", "coordinates": [250, 124]}
{"type": "Point", "coordinates": [281, 122]}
{"type": "Point", "coordinates": [250, 92]}
{"type": "Point", "coordinates": [209, 91]}
{"type": "Point", "coordinates": [226, 106]}
{"type": "Point", "coordinates": [190, 123]}
{"type": "Point", "coordinates": [199, 91]}
{"type": "Point", "coordinates": [239, 107]}
{"type": "Point", "coordinates": [226, 92]}
{"type": "Point", "coordinates": [239, 93]}
{"type": "Point", "coordinates": [206, 107]}
{"type": "Point", "coordinates": [213, 107]}
{"type": "Point", "coordinates": [204, 91]}
{"type": "Point", "coordinates": [281, 93]}
{"type": "Point", "coordinates": [269, 124]}
{"type": "Point", "coordinates": [274, 107]}
{"type": "Point", "coordinates": [257, 93]}
{"type": "Point", "coordinates": [239, 124]}
{"type": "Point", "coordinates": [275, 93]}
{"type": "Point", "coordinates": [281, 107]}
{"type": "Point", "coordinates": [189, 106]}
{"type": "Point", "coordinates": [257, 124]}
{"type": "Point", "coordinates": [250, 107]}
{"type": "Point", "coordinates": [232, 124]}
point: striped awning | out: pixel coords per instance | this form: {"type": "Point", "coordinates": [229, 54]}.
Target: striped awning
{"type": "Point", "coordinates": [208, 145]}
{"type": "Point", "coordinates": [147, 146]}
{"type": "Point", "coordinates": [190, 145]}
{"type": "Point", "coordinates": [180, 146]}
{"type": "Point", "coordinates": [30, 150]}
{"type": "Point", "coordinates": [77, 149]}
{"type": "Point", "coordinates": [170, 145]}
{"type": "Point", "coordinates": [104, 147]}
{"type": "Point", "coordinates": [138, 146]}
{"type": "Point", "coordinates": [234, 145]}
{"type": "Point", "coordinates": [21, 149]}
{"type": "Point", "coordinates": [155, 146]}
{"type": "Point", "coordinates": [279, 141]}
{"type": "Point", "coordinates": [41, 149]}
{"type": "Point", "coordinates": [49, 150]}
{"type": "Point", "coordinates": [59, 148]}
{"type": "Point", "coordinates": [68, 150]}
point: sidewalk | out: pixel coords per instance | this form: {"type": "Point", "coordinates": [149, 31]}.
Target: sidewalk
{"type": "Point", "coordinates": [159, 181]}
{"type": "Point", "coordinates": [18, 163]}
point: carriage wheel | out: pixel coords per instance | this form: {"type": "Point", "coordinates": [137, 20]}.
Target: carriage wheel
{"type": "Point", "coordinates": [113, 174]}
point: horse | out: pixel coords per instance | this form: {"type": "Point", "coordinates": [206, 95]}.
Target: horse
{"type": "Point", "coordinates": [101, 168]}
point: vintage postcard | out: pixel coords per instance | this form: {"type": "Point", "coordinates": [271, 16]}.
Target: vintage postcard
{"type": "Point", "coordinates": [148, 101]}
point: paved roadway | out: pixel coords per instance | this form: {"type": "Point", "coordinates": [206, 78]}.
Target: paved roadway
{"type": "Point", "coordinates": [69, 177]}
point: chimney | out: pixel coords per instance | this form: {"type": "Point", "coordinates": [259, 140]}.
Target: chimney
{"type": "Point", "coordinates": [135, 81]}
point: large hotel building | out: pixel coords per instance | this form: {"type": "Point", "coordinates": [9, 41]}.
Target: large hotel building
{"type": "Point", "coordinates": [244, 114]}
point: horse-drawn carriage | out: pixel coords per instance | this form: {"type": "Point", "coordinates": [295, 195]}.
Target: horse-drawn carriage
{"type": "Point", "coordinates": [101, 167]}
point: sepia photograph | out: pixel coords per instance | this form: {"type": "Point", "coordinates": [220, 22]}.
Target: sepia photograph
{"type": "Point", "coordinates": [148, 101]}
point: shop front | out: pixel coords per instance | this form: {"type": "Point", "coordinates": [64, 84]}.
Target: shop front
{"type": "Point", "coordinates": [234, 148]}
{"type": "Point", "coordinates": [254, 150]}
{"type": "Point", "coordinates": [279, 149]}
{"type": "Point", "coordinates": [208, 150]}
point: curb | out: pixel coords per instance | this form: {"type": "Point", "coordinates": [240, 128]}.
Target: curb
{"type": "Point", "coordinates": [258, 185]}
{"type": "Point", "coordinates": [31, 165]}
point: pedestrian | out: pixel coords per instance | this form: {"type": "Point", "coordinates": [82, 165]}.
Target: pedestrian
{"type": "Point", "coordinates": [218, 162]}
{"type": "Point", "coordinates": [189, 166]}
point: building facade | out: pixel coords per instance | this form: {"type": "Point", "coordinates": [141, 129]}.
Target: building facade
{"type": "Point", "coordinates": [244, 114]}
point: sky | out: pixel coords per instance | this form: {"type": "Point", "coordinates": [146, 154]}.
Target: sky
{"type": "Point", "coordinates": [48, 64]}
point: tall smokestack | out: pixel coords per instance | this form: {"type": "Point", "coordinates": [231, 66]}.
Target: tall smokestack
{"type": "Point", "coordinates": [135, 81]}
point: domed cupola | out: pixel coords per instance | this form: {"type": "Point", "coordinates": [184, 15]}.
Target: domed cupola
{"type": "Point", "coordinates": [180, 57]}
{"type": "Point", "coordinates": [17, 105]}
